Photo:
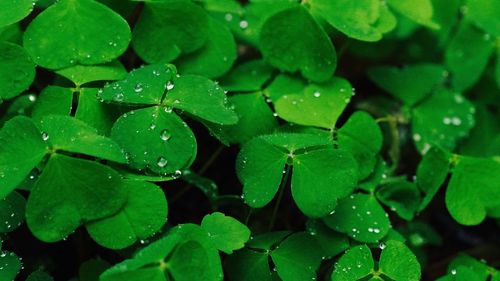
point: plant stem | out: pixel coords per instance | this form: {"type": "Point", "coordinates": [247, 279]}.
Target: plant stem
{"type": "Point", "coordinates": [280, 197]}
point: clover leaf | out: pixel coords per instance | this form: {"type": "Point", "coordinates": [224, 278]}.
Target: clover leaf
{"type": "Point", "coordinates": [66, 34]}
{"type": "Point", "coordinates": [12, 11]}
{"type": "Point", "coordinates": [17, 70]}
{"type": "Point", "coordinates": [227, 233]}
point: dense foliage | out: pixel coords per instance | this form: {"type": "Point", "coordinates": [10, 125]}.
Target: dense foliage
{"type": "Point", "coordinates": [293, 140]}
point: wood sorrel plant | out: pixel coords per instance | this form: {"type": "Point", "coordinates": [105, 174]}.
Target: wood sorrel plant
{"type": "Point", "coordinates": [293, 140]}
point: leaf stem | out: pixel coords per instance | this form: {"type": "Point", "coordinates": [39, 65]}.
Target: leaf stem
{"type": "Point", "coordinates": [280, 196]}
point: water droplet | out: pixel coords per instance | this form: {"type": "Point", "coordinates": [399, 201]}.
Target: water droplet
{"type": "Point", "coordinates": [243, 24]}
{"type": "Point", "coordinates": [453, 271]}
{"type": "Point", "coordinates": [169, 86]}
{"type": "Point", "coordinates": [162, 162]}
{"type": "Point", "coordinates": [118, 97]}
{"type": "Point", "coordinates": [32, 98]}
{"type": "Point", "coordinates": [381, 245]}
{"type": "Point", "coordinates": [228, 17]}
{"type": "Point", "coordinates": [317, 94]}
{"type": "Point", "coordinates": [45, 136]}
{"type": "Point", "coordinates": [177, 173]}
{"type": "Point", "coordinates": [456, 121]}
{"type": "Point", "coordinates": [417, 137]}
{"type": "Point", "coordinates": [165, 135]}
{"type": "Point", "coordinates": [138, 88]}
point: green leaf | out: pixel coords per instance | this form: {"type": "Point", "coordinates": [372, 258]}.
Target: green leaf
{"type": "Point", "coordinates": [291, 40]}
{"type": "Point", "coordinates": [467, 203]}
{"type": "Point", "coordinates": [215, 58]}
{"type": "Point", "coordinates": [361, 217]}
{"type": "Point", "coordinates": [485, 14]}
{"type": "Point", "coordinates": [248, 265]}
{"type": "Point", "coordinates": [12, 11]}
{"type": "Point", "coordinates": [356, 19]}
{"type": "Point", "coordinates": [467, 55]}
{"type": "Point", "coordinates": [201, 97]}
{"type": "Point", "coordinates": [227, 233]}
{"type": "Point", "coordinates": [361, 136]}
{"type": "Point", "coordinates": [329, 168]}
{"type": "Point", "coordinates": [355, 263]}
{"type": "Point", "coordinates": [444, 127]}
{"type": "Point", "coordinates": [410, 84]}
{"type": "Point", "coordinates": [197, 267]}
{"type": "Point", "coordinates": [247, 77]}
{"type": "Point", "coordinates": [72, 135]}
{"type": "Point", "coordinates": [143, 86]}
{"type": "Point", "coordinates": [167, 29]}
{"type": "Point", "coordinates": [166, 144]}
{"type": "Point", "coordinates": [83, 74]}
{"type": "Point", "coordinates": [292, 262]}
{"type": "Point", "coordinates": [260, 168]}
{"type": "Point", "coordinates": [12, 210]}
{"type": "Point", "coordinates": [318, 105]}
{"type": "Point", "coordinates": [403, 197]}
{"type": "Point", "coordinates": [398, 262]}
{"type": "Point", "coordinates": [481, 269]}
{"type": "Point", "coordinates": [431, 174]}
{"type": "Point", "coordinates": [268, 240]}
{"type": "Point", "coordinates": [21, 149]}
{"type": "Point", "coordinates": [461, 273]}
{"type": "Point", "coordinates": [39, 275]}
{"type": "Point", "coordinates": [68, 192]}
{"type": "Point", "coordinates": [331, 242]}
{"type": "Point", "coordinates": [53, 100]}
{"type": "Point", "coordinates": [17, 70]}
{"type": "Point", "coordinates": [97, 114]}
{"type": "Point", "coordinates": [284, 84]}
{"type": "Point", "coordinates": [144, 214]}
{"type": "Point", "coordinates": [10, 266]}
{"type": "Point", "coordinates": [67, 34]}
{"type": "Point", "coordinates": [420, 12]}
{"type": "Point", "coordinates": [91, 269]}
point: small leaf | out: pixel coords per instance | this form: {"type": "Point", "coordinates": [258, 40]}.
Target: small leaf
{"type": "Point", "coordinates": [248, 265]}
{"type": "Point", "coordinates": [17, 70]}
{"type": "Point", "coordinates": [227, 233]}
{"type": "Point", "coordinates": [291, 40]}
{"type": "Point", "coordinates": [355, 263]}
{"type": "Point", "coordinates": [10, 266]}
{"type": "Point", "coordinates": [420, 12]}
{"type": "Point", "coordinates": [201, 97]}
{"type": "Point", "coordinates": [247, 77]}
{"type": "Point", "coordinates": [144, 214]}
{"type": "Point", "coordinates": [99, 115]}
{"type": "Point", "coordinates": [68, 192]}
{"type": "Point", "coordinates": [331, 242]}
{"type": "Point", "coordinates": [21, 149]}
{"type": "Point", "coordinates": [165, 30]}
{"type": "Point", "coordinates": [12, 210]}
{"type": "Point", "coordinates": [319, 104]}
{"type": "Point", "coordinates": [398, 262]}
{"type": "Point", "coordinates": [361, 217]}
{"type": "Point", "coordinates": [402, 197]}
{"type": "Point", "coordinates": [431, 174]}
{"type": "Point", "coordinates": [66, 34]}
{"type": "Point", "coordinates": [83, 74]}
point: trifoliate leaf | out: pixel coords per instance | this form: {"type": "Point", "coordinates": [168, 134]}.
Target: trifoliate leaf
{"type": "Point", "coordinates": [227, 233]}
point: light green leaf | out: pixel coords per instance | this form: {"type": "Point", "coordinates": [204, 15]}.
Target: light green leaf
{"type": "Point", "coordinates": [420, 12]}
{"type": "Point", "coordinates": [227, 233]}
{"type": "Point", "coordinates": [12, 210]}
{"type": "Point", "coordinates": [356, 19]}
{"type": "Point", "coordinates": [467, 55]}
{"type": "Point", "coordinates": [155, 139]}
{"type": "Point", "coordinates": [292, 262]}
{"type": "Point", "coordinates": [12, 11]}
{"type": "Point", "coordinates": [67, 34]}
{"type": "Point", "coordinates": [291, 40]}
{"type": "Point", "coordinates": [409, 84]}
{"type": "Point", "coordinates": [473, 189]}
{"type": "Point", "coordinates": [444, 127]}
{"type": "Point", "coordinates": [354, 264]}
{"type": "Point", "coordinates": [361, 217]}
{"type": "Point", "coordinates": [68, 192]}
{"type": "Point", "coordinates": [17, 70]}
{"type": "Point", "coordinates": [217, 55]}
{"type": "Point", "coordinates": [21, 149]}
{"type": "Point", "coordinates": [167, 29]}
{"type": "Point", "coordinates": [335, 176]}
{"type": "Point", "coordinates": [144, 214]}
{"type": "Point", "coordinates": [361, 136]}
{"type": "Point", "coordinates": [72, 135]}
{"type": "Point", "coordinates": [398, 262]}
{"type": "Point", "coordinates": [143, 86]}
{"type": "Point", "coordinates": [82, 74]}
{"type": "Point", "coordinates": [318, 105]}
{"type": "Point", "coordinates": [53, 100]}
{"type": "Point", "coordinates": [247, 77]}
{"type": "Point", "coordinates": [201, 97]}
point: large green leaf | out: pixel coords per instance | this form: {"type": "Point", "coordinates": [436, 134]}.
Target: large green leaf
{"type": "Point", "coordinates": [356, 19]}
{"type": "Point", "coordinates": [72, 32]}
{"type": "Point", "coordinates": [318, 105]}
{"type": "Point", "coordinates": [155, 139]}
{"type": "Point", "coordinates": [69, 192]}
{"type": "Point", "coordinates": [167, 29]}
{"type": "Point", "coordinates": [21, 148]}
{"type": "Point", "coordinates": [292, 40]}
{"type": "Point", "coordinates": [361, 217]}
{"type": "Point", "coordinates": [227, 233]}
{"type": "Point", "coordinates": [17, 70]}
{"type": "Point", "coordinates": [201, 97]}
{"type": "Point", "coordinates": [355, 264]}
{"type": "Point", "coordinates": [473, 190]}
{"type": "Point", "coordinates": [335, 176]}
{"type": "Point", "coordinates": [144, 214]}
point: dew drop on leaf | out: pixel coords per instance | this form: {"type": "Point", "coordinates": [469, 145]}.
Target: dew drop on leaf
{"type": "Point", "coordinates": [162, 162]}
{"type": "Point", "coordinates": [165, 135]}
{"type": "Point", "coordinates": [45, 136]}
